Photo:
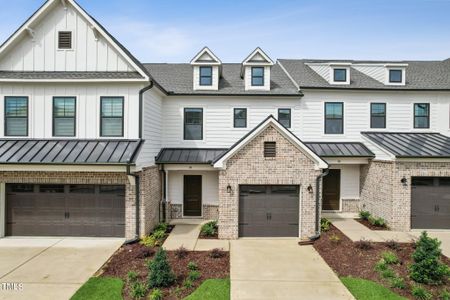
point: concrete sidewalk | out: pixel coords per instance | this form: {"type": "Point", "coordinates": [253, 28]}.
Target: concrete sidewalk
{"type": "Point", "coordinates": [281, 269]}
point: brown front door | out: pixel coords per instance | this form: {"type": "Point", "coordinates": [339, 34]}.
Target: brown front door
{"type": "Point", "coordinates": [331, 190]}
{"type": "Point", "coordinates": [192, 204]}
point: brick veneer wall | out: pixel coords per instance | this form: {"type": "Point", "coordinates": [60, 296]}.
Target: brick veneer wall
{"type": "Point", "coordinates": [351, 205]}
{"type": "Point", "coordinates": [150, 198]}
{"type": "Point", "coordinates": [82, 178]}
{"type": "Point", "coordinates": [210, 212]}
{"type": "Point", "coordinates": [249, 166]}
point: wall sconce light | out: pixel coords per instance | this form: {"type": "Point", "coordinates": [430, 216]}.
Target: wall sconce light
{"type": "Point", "coordinates": [310, 189]}
{"type": "Point", "coordinates": [404, 181]}
{"type": "Point", "coordinates": [229, 189]}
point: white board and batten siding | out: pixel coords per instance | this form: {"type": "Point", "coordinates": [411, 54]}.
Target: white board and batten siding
{"type": "Point", "coordinates": [210, 186]}
{"type": "Point", "coordinates": [41, 53]}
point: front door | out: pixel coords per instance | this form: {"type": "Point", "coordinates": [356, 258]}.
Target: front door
{"type": "Point", "coordinates": [332, 190]}
{"type": "Point", "coordinates": [192, 204]}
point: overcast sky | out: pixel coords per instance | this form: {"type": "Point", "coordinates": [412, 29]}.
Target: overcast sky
{"type": "Point", "coordinates": [175, 30]}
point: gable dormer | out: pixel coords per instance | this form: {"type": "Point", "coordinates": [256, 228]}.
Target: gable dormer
{"type": "Point", "coordinates": [336, 73]}
{"type": "Point", "coordinates": [206, 70]}
{"type": "Point", "coordinates": [256, 71]}
{"type": "Point", "coordinates": [387, 74]}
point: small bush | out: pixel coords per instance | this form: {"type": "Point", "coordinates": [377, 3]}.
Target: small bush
{"type": "Point", "coordinates": [325, 224]}
{"type": "Point", "coordinates": [192, 266]}
{"type": "Point", "coordinates": [154, 239]}
{"type": "Point", "coordinates": [181, 252]}
{"type": "Point", "coordinates": [390, 258]}
{"type": "Point", "coordinates": [193, 275]}
{"type": "Point", "coordinates": [142, 253]}
{"type": "Point", "coordinates": [397, 282]}
{"type": "Point", "coordinates": [393, 244]}
{"type": "Point", "coordinates": [427, 267]}
{"type": "Point", "coordinates": [188, 284]}
{"type": "Point", "coordinates": [388, 273]}
{"type": "Point", "coordinates": [138, 290]}
{"type": "Point", "coordinates": [161, 227]}
{"type": "Point", "coordinates": [209, 229]}
{"type": "Point", "coordinates": [444, 295]}
{"type": "Point", "coordinates": [335, 239]}
{"type": "Point", "coordinates": [160, 273]}
{"type": "Point", "coordinates": [364, 244]}
{"type": "Point", "coordinates": [216, 253]}
{"type": "Point", "coordinates": [156, 295]}
{"type": "Point", "coordinates": [132, 277]}
{"type": "Point", "coordinates": [381, 266]}
{"type": "Point", "coordinates": [364, 214]}
{"type": "Point", "coordinates": [378, 222]}
{"type": "Point", "coordinates": [420, 293]}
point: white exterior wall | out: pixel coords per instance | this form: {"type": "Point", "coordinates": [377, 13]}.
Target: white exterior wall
{"type": "Point", "coordinates": [349, 180]}
{"type": "Point", "coordinates": [42, 54]}
{"type": "Point", "coordinates": [210, 186]}
{"type": "Point", "coordinates": [40, 110]}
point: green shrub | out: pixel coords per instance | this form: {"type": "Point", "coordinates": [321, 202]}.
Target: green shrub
{"type": "Point", "coordinates": [187, 283]}
{"type": "Point", "coordinates": [388, 273]}
{"type": "Point", "coordinates": [381, 265]}
{"type": "Point", "coordinates": [397, 282]}
{"type": "Point", "coordinates": [364, 214]}
{"type": "Point", "coordinates": [161, 227]}
{"type": "Point", "coordinates": [427, 267]}
{"type": "Point", "coordinates": [209, 229]}
{"type": "Point", "coordinates": [193, 275]}
{"type": "Point", "coordinates": [160, 273]}
{"type": "Point", "coordinates": [379, 222]}
{"type": "Point", "coordinates": [192, 266]}
{"type": "Point", "coordinates": [138, 290]}
{"type": "Point", "coordinates": [390, 258]}
{"type": "Point", "coordinates": [325, 224]}
{"type": "Point", "coordinates": [444, 295]}
{"type": "Point", "coordinates": [132, 276]}
{"type": "Point", "coordinates": [420, 293]}
{"type": "Point", "coordinates": [156, 295]}
{"type": "Point", "coordinates": [154, 239]}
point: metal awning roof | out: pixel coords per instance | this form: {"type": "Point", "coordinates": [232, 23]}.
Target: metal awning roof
{"type": "Point", "coordinates": [188, 155]}
{"type": "Point", "coordinates": [34, 151]}
{"type": "Point", "coordinates": [345, 149]}
{"type": "Point", "coordinates": [412, 145]}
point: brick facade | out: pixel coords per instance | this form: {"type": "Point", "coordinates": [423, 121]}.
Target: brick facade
{"type": "Point", "coordinates": [351, 205]}
{"type": "Point", "coordinates": [383, 194]}
{"type": "Point", "coordinates": [150, 199]}
{"type": "Point", "coordinates": [249, 166]}
{"type": "Point", "coordinates": [210, 212]}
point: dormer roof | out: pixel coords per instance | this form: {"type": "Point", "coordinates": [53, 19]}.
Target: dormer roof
{"type": "Point", "coordinates": [206, 57]}
{"type": "Point", "coordinates": [258, 57]}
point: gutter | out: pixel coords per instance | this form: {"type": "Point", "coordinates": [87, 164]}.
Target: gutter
{"type": "Point", "coordinates": [318, 179]}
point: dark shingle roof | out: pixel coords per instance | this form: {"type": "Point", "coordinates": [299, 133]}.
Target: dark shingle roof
{"type": "Point", "coordinates": [68, 151]}
{"type": "Point", "coordinates": [68, 75]}
{"type": "Point", "coordinates": [178, 79]}
{"type": "Point", "coordinates": [420, 75]}
{"type": "Point", "coordinates": [347, 149]}
{"type": "Point", "coordinates": [188, 155]}
{"type": "Point", "coordinates": [412, 145]}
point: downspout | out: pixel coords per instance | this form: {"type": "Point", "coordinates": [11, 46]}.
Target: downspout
{"type": "Point", "coordinates": [163, 194]}
{"type": "Point", "coordinates": [318, 179]}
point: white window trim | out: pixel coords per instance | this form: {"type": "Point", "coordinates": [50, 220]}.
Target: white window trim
{"type": "Point", "coordinates": [387, 71]}
{"type": "Point", "coordinates": [347, 81]}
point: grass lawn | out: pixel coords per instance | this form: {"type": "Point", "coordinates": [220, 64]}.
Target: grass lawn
{"type": "Point", "coordinates": [212, 289]}
{"type": "Point", "coordinates": [363, 289]}
{"type": "Point", "coordinates": [100, 288]}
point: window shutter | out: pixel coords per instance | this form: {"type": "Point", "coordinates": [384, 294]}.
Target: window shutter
{"type": "Point", "coordinates": [270, 149]}
{"type": "Point", "coordinates": [64, 40]}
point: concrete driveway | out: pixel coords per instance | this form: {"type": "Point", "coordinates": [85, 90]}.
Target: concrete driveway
{"type": "Point", "coordinates": [50, 268]}
{"type": "Point", "coordinates": [280, 269]}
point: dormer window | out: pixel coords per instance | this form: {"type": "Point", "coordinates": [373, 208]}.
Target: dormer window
{"type": "Point", "coordinates": [339, 75]}
{"type": "Point", "coordinates": [395, 76]}
{"type": "Point", "coordinates": [206, 76]}
{"type": "Point", "coordinates": [257, 76]}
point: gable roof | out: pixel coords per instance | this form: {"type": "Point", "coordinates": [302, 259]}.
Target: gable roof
{"type": "Point", "coordinates": [420, 75]}
{"type": "Point", "coordinates": [220, 162]}
{"type": "Point", "coordinates": [206, 52]}
{"type": "Point", "coordinates": [177, 79]}
{"type": "Point", "coordinates": [262, 58]}
{"type": "Point", "coordinates": [48, 5]}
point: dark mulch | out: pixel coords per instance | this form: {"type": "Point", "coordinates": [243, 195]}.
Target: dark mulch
{"type": "Point", "coordinates": [208, 237]}
{"type": "Point", "coordinates": [133, 257]}
{"type": "Point", "coordinates": [348, 260]}
{"type": "Point", "coordinates": [370, 226]}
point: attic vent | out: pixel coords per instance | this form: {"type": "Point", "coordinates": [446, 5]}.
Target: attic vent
{"type": "Point", "coordinates": [64, 40]}
{"type": "Point", "coordinates": [270, 149]}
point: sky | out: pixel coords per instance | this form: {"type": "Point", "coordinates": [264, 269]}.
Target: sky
{"type": "Point", "coordinates": [175, 30]}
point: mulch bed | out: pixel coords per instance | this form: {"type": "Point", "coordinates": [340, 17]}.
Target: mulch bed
{"type": "Point", "coordinates": [209, 237]}
{"type": "Point", "coordinates": [133, 257]}
{"type": "Point", "coordinates": [348, 260]}
{"type": "Point", "coordinates": [370, 226]}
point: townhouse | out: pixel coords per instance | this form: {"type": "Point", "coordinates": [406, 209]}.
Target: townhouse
{"type": "Point", "coordinates": [96, 143]}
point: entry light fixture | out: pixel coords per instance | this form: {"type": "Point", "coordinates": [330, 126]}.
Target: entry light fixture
{"type": "Point", "coordinates": [404, 181]}
{"type": "Point", "coordinates": [229, 189]}
{"type": "Point", "coordinates": [310, 189]}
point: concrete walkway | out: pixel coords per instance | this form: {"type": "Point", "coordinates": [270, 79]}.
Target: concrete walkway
{"type": "Point", "coordinates": [356, 231]}
{"type": "Point", "coordinates": [51, 268]}
{"type": "Point", "coordinates": [280, 269]}
{"type": "Point", "coordinates": [186, 235]}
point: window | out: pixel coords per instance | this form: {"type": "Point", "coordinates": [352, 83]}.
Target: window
{"type": "Point", "coordinates": [205, 75]}
{"type": "Point", "coordinates": [193, 124]}
{"type": "Point", "coordinates": [270, 149]}
{"type": "Point", "coordinates": [112, 189]}
{"type": "Point", "coordinates": [82, 189]}
{"type": "Point", "coordinates": [111, 116]}
{"type": "Point", "coordinates": [64, 111]}
{"type": "Point", "coordinates": [22, 188]}
{"type": "Point", "coordinates": [257, 76]}
{"type": "Point", "coordinates": [240, 118]}
{"type": "Point", "coordinates": [284, 117]}
{"type": "Point", "coordinates": [65, 40]}
{"type": "Point", "coordinates": [16, 116]}
{"type": "Point", "coordinates": [334, 118]}
{"type": "Point", "coordinates": [340, 75]}
{"type": "Point", "coordinates": [51, 188]}
{"type": "Point", "coordinates": [421, 115]}
{"type": "Point", "coordinates": [378, 115]}
{"type": "Point", "coordinates": [395, 76]}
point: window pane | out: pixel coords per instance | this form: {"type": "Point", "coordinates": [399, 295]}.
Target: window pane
{"type": "Point", "coordinates": [205, 71]}
{"type": "Point", "coordinates": [22, 188]}
{"type": "Point", "coordinates": [333, 126]}
{"type": "Point", "coordinates": [112, 189]}
{"type": "Point", "coordinates": [51, 188]}
{"type": "Point", "coordinates": [112, 116]}
{"type": "Point", "coordinates": [240, 117]}
{"type": "Point", "coordinates": [421, 122]}
{"type": "Point", "coordinates": [112, 107]}
{"type": "Point", "coordinates": [16, 106]}
{"type": "Point", "coordinates": [82, 189]}
{"type": "Point", "coordinates": [112, 127]}
{"type": "Point", "coordinates": [421, 109]}
{"type": "Point", "coordinates": [378, 122]}
{"type": "Point", "coordinates": [421, 115]}
{"type": "Point", "coordinates": [284, 117]}
{"type": "Point", "coordinates": [340, 75]}
{"type": "Point", "coordinates": [16, 126]}
{"type": "Point", "coordinates": [378, 115]}
{"type": "Point", "coordinates": [193, 124]}
{"type": "Point", "coordinates": [333, 110]}
{"type": "Point", "coordinates": [395, 75]}
{"type": "Point", "coordinates": [257, 76]}
{"type": "Point", "coordinates": [64, 127]}
{"type": "Point", "coordinates": [64, 107]}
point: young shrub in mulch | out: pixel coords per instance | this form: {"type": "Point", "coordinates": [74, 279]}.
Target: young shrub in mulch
{"type": "Point", "coordinates": [136, 289]}
{"type": "Point", "coordinates": [216, 253]}
{"type": "Point", "coordinates": [364, 214]}
{"type": "Point", "coordinates": [444, 295]}
{"type": "Point", "coordinates": [364, 244]}
{"type": "Point", "coordinates": [390, 257]}
{"type": "Point", "coordinates": [209, 230]}
{"type": "Point", "coordinates": [397, 282]}
{"type": "Point", "coordinates": [324, 224]}
{"type": "Point", "coordinates": [156, 294]}
{"type": "Point", "coordinates": [420, 293]}
{"type": "Point", "coordinates": [181, 252]}
{"type": "Point", "coordinates": [378, 222]}
{"type": "Point", "coordinates": [335, 239]}
{"type": "Point", "coordinates": [159, 271]}
{"type": "Point", "coordinates": [427, 267]}
{"type": "Point", "coordinates": [142, 253]}
{"type": "Point", "coordinates": [393, 244]}
{"type": "Point", "coordinates": [192, 266]}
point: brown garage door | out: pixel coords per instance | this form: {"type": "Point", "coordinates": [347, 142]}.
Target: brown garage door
{"type": "Point", "coordinates": [65, 210]}
{"type": "Point", "coordinates": [268, 211]}
{"type": "Point", "coordinates": [430, 203]}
